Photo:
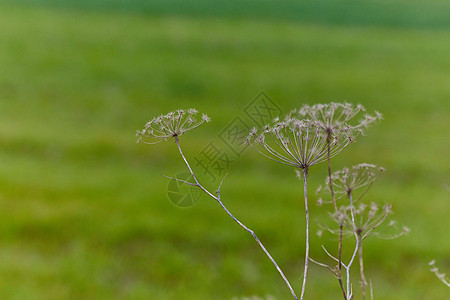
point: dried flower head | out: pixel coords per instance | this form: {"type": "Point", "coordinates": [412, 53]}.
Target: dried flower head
{"type": "Point", "coordinates": [298, 143]}
{"type": "Point", "coordinates": [173, 124]}
{"type": "Point", "coordinates": [364, 222]}
{"type": "Point", "coordinates": [346, 181]}
{"type": "Point", "coordinates": [334, 116]}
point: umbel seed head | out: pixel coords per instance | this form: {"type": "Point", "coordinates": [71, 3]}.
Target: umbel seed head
{"type": "Point", "coordinates": [333, 116]}
{"type": "Point", "coordinates": [366, 221]}
{"type": "Point", "coordinates": [347, 180]}
{"type": "Point", "coordinates": [297, 143]}
{"type": "Point", "coordinates": [170, 125]}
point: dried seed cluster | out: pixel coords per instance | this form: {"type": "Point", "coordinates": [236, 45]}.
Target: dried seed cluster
{"type": "Point", "coordinates": [305, 136]}
{"type": "Point", "coordinates": [173, 124]}
{"type": "Point", "coordinates": [347, 180]}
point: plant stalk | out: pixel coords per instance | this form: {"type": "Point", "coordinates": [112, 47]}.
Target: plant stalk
{"type": "Point", "coordinates": [358, 242]}
{"type": "Point", "coordinates": [305, 190]}
{"type": "Point", "coordinates": [361, 269]}
{"type": "Point", "coordinates": [330, 183]}
{"type": "Point", "coordinates": [218, 199]}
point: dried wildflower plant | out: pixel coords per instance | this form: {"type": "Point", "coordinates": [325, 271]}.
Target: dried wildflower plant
{"type": "Point", "coordinates": [300, 144]}
{"type": "Point", "coordinates": [333, 118]}
{"type": "Point", "coordinates": [168, 126]}
{"type": "Point", "coordinates": [309, 136]}
{"type": "Point", "coordinates": [303, 138]}
{"type": "Point", "coordinates": [359, 221]}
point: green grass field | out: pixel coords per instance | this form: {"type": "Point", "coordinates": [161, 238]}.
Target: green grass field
{"type": "Point", "coordinates": [84, 212]}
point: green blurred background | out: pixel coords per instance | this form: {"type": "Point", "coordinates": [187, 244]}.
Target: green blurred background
{"type": "Point", "coordinates": [84, 212]}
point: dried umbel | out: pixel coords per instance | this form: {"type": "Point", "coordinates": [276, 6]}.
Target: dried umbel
{"type": "Point", "coordinates": [299, 143]}
{"type": "Point", "coordinates": [333, 116]}
{"type": "Point", "coordinates": [173, 124]}
{"type": "Point", "coordinates": [348, 180]}
{"type": "Point", "coordinates": [365, 219]}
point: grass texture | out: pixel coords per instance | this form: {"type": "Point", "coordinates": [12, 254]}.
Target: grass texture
{"type": "Point", "coordinates": [83, 210]}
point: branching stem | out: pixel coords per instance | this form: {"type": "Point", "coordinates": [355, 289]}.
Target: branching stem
{"type": "Point", "coordinates": [218, 199]}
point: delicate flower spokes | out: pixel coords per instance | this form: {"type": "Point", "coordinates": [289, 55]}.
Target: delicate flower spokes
{"type": "Point", "coordinates": [333, 116]}
{"type": "Point", "coordinates": [366, 220]}
{"type": "Point", "coordinates": [299, 143]}
{"type": "Point", "coordinates": [172, 124]}
{"type": "Point", "coordinates": [348, 180]}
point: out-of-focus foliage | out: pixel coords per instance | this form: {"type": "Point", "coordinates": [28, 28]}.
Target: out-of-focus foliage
{"type": "Point", "coordinates": [83, 209]}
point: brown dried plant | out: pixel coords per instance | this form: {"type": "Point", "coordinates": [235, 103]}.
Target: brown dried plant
{"type": "Point", "coordinates": [303, 138]}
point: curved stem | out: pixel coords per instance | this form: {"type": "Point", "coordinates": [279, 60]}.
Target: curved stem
{"type": "Point", "coordinates": [218, 199]}
{"type": "Point", "coordinates": [305, 272]}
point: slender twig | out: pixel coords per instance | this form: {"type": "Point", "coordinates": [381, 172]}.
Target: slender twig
{"type": "Point", "coordinates": [339, 273]}
{"type": "Point", "coordinates": [352, 213]}
{"type": "Point", "coordinates": [340, 260]}
{"type": "Point", "coordinates": [180, 180]}
{"type": "Point", "coordinates": [305, 272]}
{"type": "Point", "coordinates": [361, 268]}
{"type": "Point", "coordinates": [349, 294]}
{"type": "Point", "coordinates": [328, 253]}
{"type": "Point", "coordinates": [218, 199]}
{"type": "Point", "coordinates": [220, 185]}
{"type": "Point", "coordinates": [330, 180]}
{"type": "Point", "coordinates": [325, 266]}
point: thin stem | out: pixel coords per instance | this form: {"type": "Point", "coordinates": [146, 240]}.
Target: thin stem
{"type": "Point", "coordinates": [328, 253]}
{"type": "Point", "coordinates": [371, 290]}
{"type": "Point", "coordinates": [333, 197]}
{"type": "Point", "coordinates": [330, 181]}
{"type": "Point", "coordinates": [305, 272]}
{"type": "Point", "coordinates": [356, 247]}
{"type": "Point", "coordinates": [341, 284]}
{"type": "Point", "coordinates": [218, 199]}
{"type": "Point", "coordinates": [361, 268]}
{"type": "Point", "coordinates": [349, 295]}
{"type": "Point", "coordinates": [324, 265]}
{"type": "Point", "coordinates": [180, 180]}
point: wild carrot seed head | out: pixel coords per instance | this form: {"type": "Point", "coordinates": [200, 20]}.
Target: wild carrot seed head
{"type": "Point", "coordinates": [333, 116]}
{"type": "Point", "coordinates": [299, 143]}
{"type": "Point", "coordinates": [369, 220]}
{"type": "Point", "coordinates": [347, 180]}
{"type": "Point", "coordinates": [172, 124]}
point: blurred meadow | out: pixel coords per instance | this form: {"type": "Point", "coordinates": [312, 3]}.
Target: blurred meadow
{"type": "Point", "coordinates": [84, 212]}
